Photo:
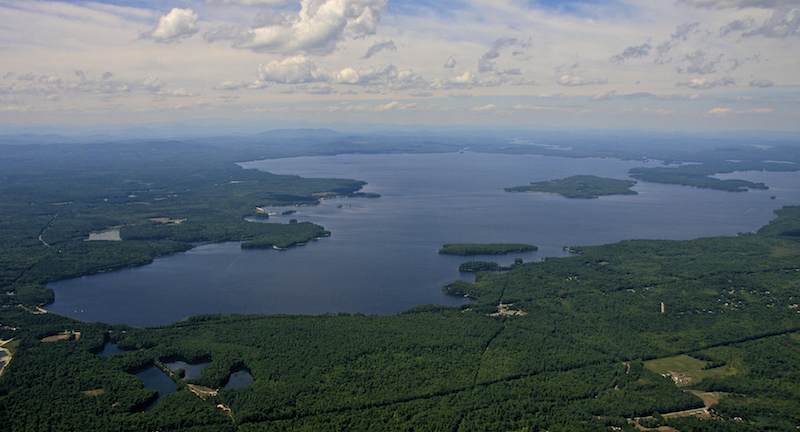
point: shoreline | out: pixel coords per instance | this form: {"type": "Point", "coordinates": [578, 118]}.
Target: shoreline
{"type": "Point", "coordinates": [7, 358]}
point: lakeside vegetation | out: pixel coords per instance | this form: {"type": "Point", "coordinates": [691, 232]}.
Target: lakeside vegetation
{"type": "Point", "coordinates": [701, 175]}
{"type": "Point", "coordinates": [55, 196]}
{"type": "Point", "coordinates": [580, 186]}
{"type": "Point", "coordinates": [485, 248]}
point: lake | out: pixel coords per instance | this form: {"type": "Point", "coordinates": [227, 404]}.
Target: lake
{"type": "Point", "coordinates": [381, 257]}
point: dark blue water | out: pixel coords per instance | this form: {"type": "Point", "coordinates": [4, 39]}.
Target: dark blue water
{"type": "Point", "coordinates": [110, 349]}
{"type": "Point", "coordinates": [239, 379]}
{"type": "Point", "coordinates": [381, 258]}
{"type": "Point", "coordinates": [192, 369]}
{"type": "Point", "coordinates": [155, 379]}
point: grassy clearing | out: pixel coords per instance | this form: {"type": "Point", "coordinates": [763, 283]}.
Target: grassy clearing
{"type": "Point", "coordinates": [686, 370]}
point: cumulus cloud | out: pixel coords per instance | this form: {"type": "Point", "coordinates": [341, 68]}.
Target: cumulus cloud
{"type": "Point", "coordinates": [761, 83]}
{"type": "Point", "coordinates": [316, 29]}
{"type": "Point", "coordinates": [576, 81]}
{"type": "Point", "coordinates": [292, 70]}
{"type": "Point", "coordinates": [726, 4]}
{"type": "Point", "coordinates": [252, 2]}
{"type": "Point", "coordinates": [176, 25]}
{"type": "Point", "coordinates": [467, 78]}
{"type": "Point", "coordinates": [378, 47]}
{"type": "Point", "coordinates": [706, 83]}
{"type": "Point", "coordinates": [701, 62]}
{"type": "Point", "coordinates": [450, 63]}
{"type": "Point", "coordinates": [552, 96]}
{"type": "Point", "coordinates": [388, 76]}
{"type": "Point", "coordinates": [642, 50]}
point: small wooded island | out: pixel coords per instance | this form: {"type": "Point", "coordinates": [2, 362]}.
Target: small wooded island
{"type": "Point", "coordinates": [476, 266]}
{"type": "Point", "coordinates": [485, 249]}
{"type": "Point", "coordinates": [580, 186]}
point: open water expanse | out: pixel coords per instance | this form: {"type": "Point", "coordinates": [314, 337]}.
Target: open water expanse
{"type": "Point", "coordinates": [381, 257]}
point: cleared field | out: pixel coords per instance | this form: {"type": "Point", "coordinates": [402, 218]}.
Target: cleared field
{"type": "Point", "coordinates": [685, 370]}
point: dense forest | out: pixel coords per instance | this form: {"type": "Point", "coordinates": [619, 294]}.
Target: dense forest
{"type": "Point", "coordinates": [558, 345]}
{"type": "Point", "coordinates": [555, 345]}
{"type": "Point", "coordinates": [580, 186]}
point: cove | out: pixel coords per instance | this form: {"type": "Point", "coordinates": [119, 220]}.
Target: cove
{"type": "Point", "coordinates": [381, 257]}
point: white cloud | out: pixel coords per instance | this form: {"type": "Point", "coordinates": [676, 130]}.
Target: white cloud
{"type": "Point", "coordinates": [230, 85]}
{"type": "Point", "coordinates": [706, 83]}
{"type": "Point", "coordinates": [176, 25]}
{"type": "Point", "coordinates": [317, 29]}
{"type": "Point", "coordinates": [605, 96]}
{"type": "Point", "coordinates": [450, 63]}
{"type": "Point", "coordinates": [489, 107]}
{"type": "Point", "coordinates": [575, 80]}
{"type": "Point", "coordinates": [719, 112]}
{"type": "Point", "coordinates": [467, 78]}
{"type": "Point", "coordinates": [552, 96]}
{"type": "Point", "coordinates": [292, 70]}
{"type": "Point", "coordinates": [253, 2]}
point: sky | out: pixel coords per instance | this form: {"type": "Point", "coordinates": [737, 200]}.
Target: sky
{"type": "Point", "coordinates": [672, 65]}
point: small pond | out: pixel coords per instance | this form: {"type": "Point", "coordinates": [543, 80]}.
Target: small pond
{"type": "Point", "coordinates": [192, 370]}
{"type": "Point", "coordinates": [238, 380]}
{"type": "Point", "coordinates": [155, 379]}
{"type": "Point", "coordinates": [110, 349]}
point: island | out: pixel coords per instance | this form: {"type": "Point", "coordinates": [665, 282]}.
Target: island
{"type": "Point", "coordinates": [485, 248]}
{"type": "Point", "coordinates": [580, 186]}
{"type": "Point", "coordinates": [475, 266]}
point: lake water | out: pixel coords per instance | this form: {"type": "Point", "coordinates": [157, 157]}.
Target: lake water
{"type": "Point", "coordinates": [381, 257]}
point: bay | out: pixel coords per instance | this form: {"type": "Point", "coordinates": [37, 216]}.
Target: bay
{"type": "Point", "coordinates": [381, 257]}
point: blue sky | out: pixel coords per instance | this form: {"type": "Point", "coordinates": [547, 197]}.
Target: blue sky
{"type": "Point", "coordinates": [697, 65]}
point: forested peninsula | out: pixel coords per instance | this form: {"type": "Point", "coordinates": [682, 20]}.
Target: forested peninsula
{"type": "Point", "coordinates": [566, 344]}
{"type": "Point", "coordinates": [162, 197]}
{"type": "Point", "coordinates": [580, 186]}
